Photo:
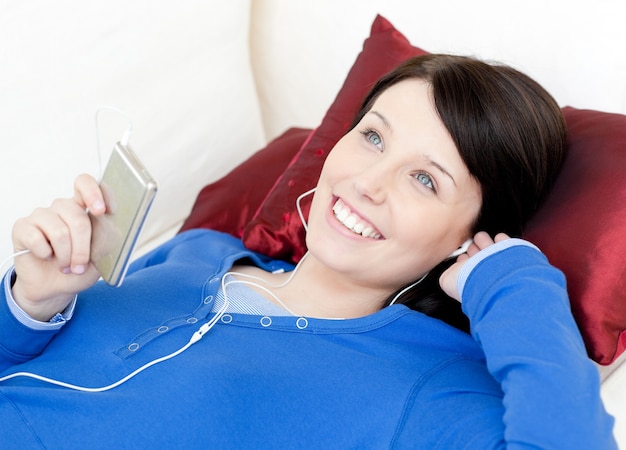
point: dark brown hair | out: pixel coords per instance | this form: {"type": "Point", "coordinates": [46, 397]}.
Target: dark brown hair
{"type": "Point", "coordinates": [510, 133]}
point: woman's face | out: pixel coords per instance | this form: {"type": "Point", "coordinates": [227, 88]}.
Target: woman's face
{"type": "Point", "coordinates": [394, 197]}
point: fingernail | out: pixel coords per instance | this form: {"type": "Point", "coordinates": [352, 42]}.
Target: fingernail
{"type": "Point", "coordinates": [97, 205]}
{"type": "Point", "coordinates": [78, 270]}
{"type": "Point", "coordinates": [67, 270]}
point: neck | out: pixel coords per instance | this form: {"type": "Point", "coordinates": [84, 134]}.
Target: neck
{"type": "Point", "coordinates": [314, 290]}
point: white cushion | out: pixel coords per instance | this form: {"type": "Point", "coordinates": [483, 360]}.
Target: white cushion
{"type": "Point", "coordinates": [302, 51]}
{"type": "Point", "coordinates": [181, 70]}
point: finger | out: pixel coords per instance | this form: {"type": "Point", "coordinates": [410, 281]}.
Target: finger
{"type": "Point", "coordinates": [463, 257]}
{"type": "Point", "coordinates": [472, 249]}
{"type": "Point", "coordinates": [45, 234]}
{"type": "Point", "coordinates": [27, 235]}
{"type": "Point", "coordinates": [501, 237]}
{"type": "Point", "coordinates": [88, 194]}
{"type": "Point", "coordinates": [76, 237]}
{"type": "Point", "coordinates": [483, 240]}
{"type": "Point", "coordinates": [62, 231]}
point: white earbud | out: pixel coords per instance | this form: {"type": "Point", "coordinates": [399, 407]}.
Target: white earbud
{"type": "Point", "coordinates": [462, 249]}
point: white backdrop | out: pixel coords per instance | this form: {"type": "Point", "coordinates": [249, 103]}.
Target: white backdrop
{"type": "Point", "coordinates": [303, 50]}
{"type": "Point", "coordinates": [180, 70]}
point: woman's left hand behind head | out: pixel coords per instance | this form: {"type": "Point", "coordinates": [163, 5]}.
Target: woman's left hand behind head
{"type": "Point", "coordinates": [448, 279]}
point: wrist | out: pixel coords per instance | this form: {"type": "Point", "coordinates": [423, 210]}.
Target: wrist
{"type": "Point", "coordinates": [40, 310]}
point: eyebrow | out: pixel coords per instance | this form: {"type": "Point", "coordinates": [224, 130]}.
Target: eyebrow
{"type": "Point", "coordinates": [381, 117]}
{"type": "Point", "coordinates": [441, 169]}
{"type": "Point", "coordinates": [428, 158]}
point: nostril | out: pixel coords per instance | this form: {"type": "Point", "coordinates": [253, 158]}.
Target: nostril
{"type": "Point", "coordinates": [369, 189]}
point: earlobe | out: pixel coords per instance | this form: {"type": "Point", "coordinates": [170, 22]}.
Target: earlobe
{"type": "Point", "coordinates": [462, 249]}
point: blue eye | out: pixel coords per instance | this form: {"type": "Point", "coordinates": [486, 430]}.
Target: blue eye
{"type": "Point", "coordinates": [426, 180]}
{"type": "Point", "coordinates": [373, 137]}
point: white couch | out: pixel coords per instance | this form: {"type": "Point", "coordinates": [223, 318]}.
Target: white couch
{"type": "Point", "coordinates": [206, 82]}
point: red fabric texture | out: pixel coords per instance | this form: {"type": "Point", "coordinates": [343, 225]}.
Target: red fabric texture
{"type": "Point", "coordinates": [581, 228]}
{"type": "Point", "coordinates": [230, 203]}
{"type": "Point", "coordinates": [277, 230]}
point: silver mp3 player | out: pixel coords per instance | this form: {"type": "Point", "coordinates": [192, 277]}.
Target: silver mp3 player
{"type": "Point", "coordinates": [128, 191]}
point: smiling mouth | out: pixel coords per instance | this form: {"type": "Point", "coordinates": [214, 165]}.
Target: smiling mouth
{"type": "Point", "coordinates": [353, 222]}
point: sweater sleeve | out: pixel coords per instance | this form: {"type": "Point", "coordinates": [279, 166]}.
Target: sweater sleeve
{"type": "Point", "coordinates": [18, 341]}
{"type": "Point", "coordinates": [519, 312]}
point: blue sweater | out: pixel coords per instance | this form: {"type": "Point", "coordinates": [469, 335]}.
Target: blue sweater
{"type": "Point", "coordinates": [394, 379]}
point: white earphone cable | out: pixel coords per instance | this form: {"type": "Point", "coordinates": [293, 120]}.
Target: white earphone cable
{"type": "Point", "coordinates": [194, 338]}
{"type": "Point", "coordinates": [298, 207]}
{"type": "Point", "coordinates": [10, 257]}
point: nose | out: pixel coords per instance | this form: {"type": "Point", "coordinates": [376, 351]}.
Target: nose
{"type": "Point", "coordinates": [372, 183]}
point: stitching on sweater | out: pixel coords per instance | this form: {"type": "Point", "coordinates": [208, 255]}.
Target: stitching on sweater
{"type": "Point", "coordinates": [417, 386]}
{"type": "Point", "coordinates": [24, 421]}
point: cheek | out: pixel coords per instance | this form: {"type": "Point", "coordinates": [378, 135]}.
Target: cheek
{"type": "Point", "coordinates": [433, 229]}
{"type": "Point", "coordinates": [336, 168]}
{"type": "Point", "coordinates": [337, 156]}
{"type": "Point", "coordinates": [317, 205]}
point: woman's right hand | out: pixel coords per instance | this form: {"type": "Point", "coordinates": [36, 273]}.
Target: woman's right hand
{"type": "Point", "coordinates": [58, 239]}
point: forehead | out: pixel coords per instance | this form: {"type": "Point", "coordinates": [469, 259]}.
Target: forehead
{"type": "Point", "coordinates": [413, 87]}
{"type": "Point", "coordinates": [410, 102]}
{"type": "Point", "coordinates": [407, 110]}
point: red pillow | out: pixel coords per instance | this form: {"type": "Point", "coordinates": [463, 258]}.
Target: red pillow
{"type": "Point", "coordinates": [581, 228]}
{"type": "Point", "coordinates": [276, 229]}
{"type": "Point", "coordinates": [231, 202]}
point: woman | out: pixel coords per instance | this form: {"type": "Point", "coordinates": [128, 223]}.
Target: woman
{"type": "Point", "coordinates": [445, 150]}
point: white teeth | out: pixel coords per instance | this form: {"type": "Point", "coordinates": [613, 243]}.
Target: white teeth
{"type": "Point", "coordinates": [342, 214]}
{"type": "Point", "coordinates": [350, 221]}
{"type": "Point", "coordinates": [353, 222]}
